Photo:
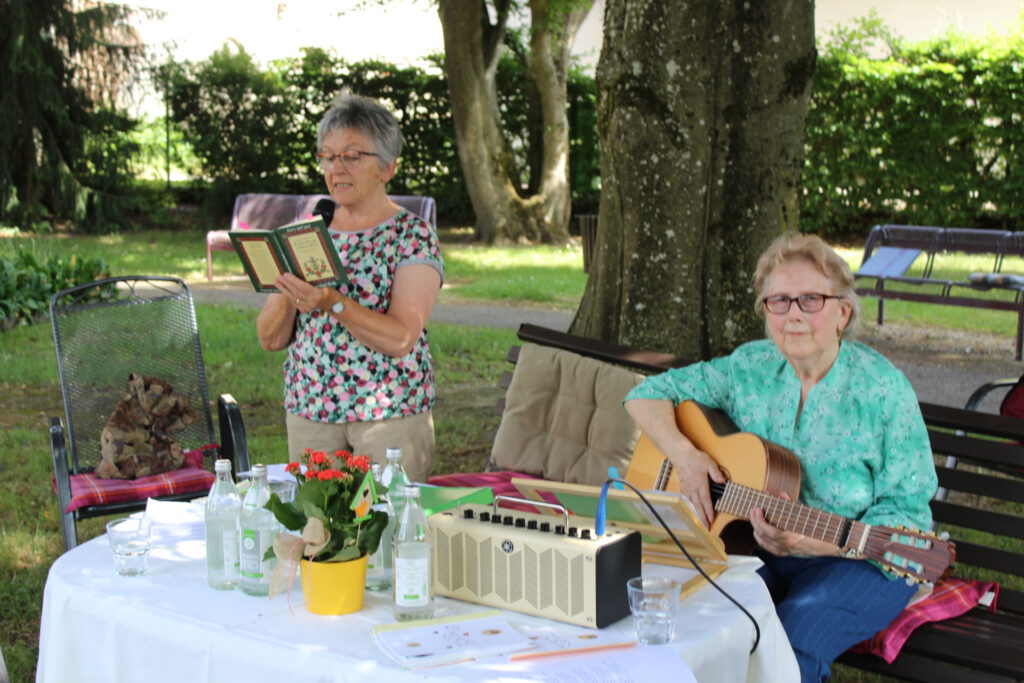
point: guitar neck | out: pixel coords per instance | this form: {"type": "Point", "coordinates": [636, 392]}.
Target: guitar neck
{"type": "Point", "coordinates": [789, 515]}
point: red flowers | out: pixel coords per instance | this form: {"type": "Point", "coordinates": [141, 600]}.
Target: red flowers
{"type": "Point", "coordinates": [324, 466]}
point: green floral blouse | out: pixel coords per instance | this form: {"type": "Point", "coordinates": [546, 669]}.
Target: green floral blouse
{"type": "Point", "coordinates": [861, 440]}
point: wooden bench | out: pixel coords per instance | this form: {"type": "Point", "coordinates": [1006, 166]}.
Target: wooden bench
{"type": "Point", "coordinates": [268, 211]}
{"type": "Point", "coordinates": [891, 249]}
{"type": "Point", "coordinates": [980, 504]}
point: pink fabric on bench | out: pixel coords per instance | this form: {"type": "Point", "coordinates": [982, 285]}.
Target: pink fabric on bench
{"type": "Point", "coordinates": [950, 598]}
{"type": "Point", "coordinates": [88, 489]}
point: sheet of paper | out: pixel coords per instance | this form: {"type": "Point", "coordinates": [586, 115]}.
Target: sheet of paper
{"type": "Point", "coordinates": [175, 522]}
{"type": "Point", "coordinates": [622, 665]}
{"type": "Point", "coordinates": [441, 641]}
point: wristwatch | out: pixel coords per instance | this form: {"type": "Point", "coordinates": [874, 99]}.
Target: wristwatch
{"type": "Point", "coordinates": [338, 306]}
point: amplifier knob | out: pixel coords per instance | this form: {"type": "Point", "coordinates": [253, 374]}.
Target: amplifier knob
{"type": "Point", "coordinates": [585, 534]}
{"type": "Point", "coordinates": [467, 514]}
{"type": "Point", "coordinates": [559, 529]}
{"type": "Point", "coordinates": [496, 519]}
{"type": "Point", "coordinates": [485, 516]}
{"type": "Point", "coordinates": [508, 520]}
{"type": "Point", "coordinates": [520, 522]}
{"type": "Point", "coordinates": [545, 526]}
{"type": "Point", "coordinates": [532, 524]}
{"type": "Point", "coordinates": [572, 532]}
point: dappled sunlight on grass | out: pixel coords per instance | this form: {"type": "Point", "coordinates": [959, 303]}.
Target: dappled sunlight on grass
{"type": "Point", "coordinates": [23, 549]}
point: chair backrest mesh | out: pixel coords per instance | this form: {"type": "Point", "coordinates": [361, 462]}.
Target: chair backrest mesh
{"type": "Point", "coordinates": [149, 329]}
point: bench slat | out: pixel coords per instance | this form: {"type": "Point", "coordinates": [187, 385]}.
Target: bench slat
{"type": "Point", "coordinates": [997, 650]}
{"type": "Point", "coordinates": [980, 484]}
{"type": "Point", "coordinates": [972, 517]}
{"type": "Point", "coordinates": [645, 361]}
{"type": "Point", "coordinates": [913, 667]}
{"type": "Point", "coordinates": [972, 421]}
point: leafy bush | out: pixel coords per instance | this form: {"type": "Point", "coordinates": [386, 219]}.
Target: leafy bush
{"type": "Point", "coordinates": [255, 130]}
{"type": "Point", "coordinates": [28, 282]}
{"type": "Point", "coordinates": [930, 135]}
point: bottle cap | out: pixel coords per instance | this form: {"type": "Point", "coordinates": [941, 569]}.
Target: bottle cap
{"type": "Point", "coordinates": [222, 465]}
{"type": "Point", "coordinates": [259, 470]}
{"type": "Point", "coordinates": [411, 491]}
{"type": "Point", "coordinates": [393, 453]}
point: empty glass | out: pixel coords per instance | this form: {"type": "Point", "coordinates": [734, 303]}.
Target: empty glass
{"type": "Point", "coordinates": [130, 540]}
{"type": "Point", "coordinates": [654, 602]}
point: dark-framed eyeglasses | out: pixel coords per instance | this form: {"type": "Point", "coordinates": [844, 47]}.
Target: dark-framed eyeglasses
{"type": "Point", "coordinates": [808, 303]}
{"type": "Point", "coordinates": [349, 158]}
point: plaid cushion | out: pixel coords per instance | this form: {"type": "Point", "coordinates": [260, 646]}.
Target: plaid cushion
{"type": "Point", "coordinates": [88, 489]}
{"type": "Point", "coordinates": [950, 598]}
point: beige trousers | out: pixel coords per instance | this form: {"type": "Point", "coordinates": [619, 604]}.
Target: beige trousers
{"type": "Point", "coordinates": [414, 435]}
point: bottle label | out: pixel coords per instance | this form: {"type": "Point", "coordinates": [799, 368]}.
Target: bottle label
{"type": "Point", "coordinates": [229, 541]}
{"type": "Point", "coordinates": [412, 577]}
{"type": "Point", "coordinates": [251, 565]}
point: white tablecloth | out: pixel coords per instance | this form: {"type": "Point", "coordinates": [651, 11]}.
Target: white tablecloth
{"type": "Point", "coordinates": [168, 625]}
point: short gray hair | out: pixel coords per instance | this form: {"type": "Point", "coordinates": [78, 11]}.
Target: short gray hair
{"type": "Point", "coordinates": [793, 246]}
{"type": "Point", "coordinates": [369, 117]}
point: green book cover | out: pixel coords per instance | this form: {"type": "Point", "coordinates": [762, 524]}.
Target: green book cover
{"type": "Point", "coordinates": [303, 248]}
{"type": "Point", "coordinates": [441, 498]}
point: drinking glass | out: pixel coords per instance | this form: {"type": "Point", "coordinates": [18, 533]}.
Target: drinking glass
{"type": "Point", "coordinates": [654, 602]}
{"type": "Point", "coordinates": [130, 540]}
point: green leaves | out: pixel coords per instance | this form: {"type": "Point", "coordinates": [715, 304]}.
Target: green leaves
{"type": "Point", "coordinates": [27, 282]}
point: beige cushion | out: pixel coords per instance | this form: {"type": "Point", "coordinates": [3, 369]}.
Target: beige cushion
{"type": "Point", "coordinates": [564, 419]}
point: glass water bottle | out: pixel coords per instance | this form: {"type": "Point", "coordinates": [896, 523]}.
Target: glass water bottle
{"type": "Point", "coordinates": [222, 510]}
{"type": "Point", "coordinates": [257, 528]}
{"type": "Point", "coordinates": [413, 593]}
{"type": "Point", "coordinates": [379, 566]}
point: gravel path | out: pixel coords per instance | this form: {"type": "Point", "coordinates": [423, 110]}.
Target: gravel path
{"type": "Point", "coordinates": [944, 367]}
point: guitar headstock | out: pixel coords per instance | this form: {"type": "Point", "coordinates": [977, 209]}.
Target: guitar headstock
{"type": "Point", "coordinates": [913, 554]}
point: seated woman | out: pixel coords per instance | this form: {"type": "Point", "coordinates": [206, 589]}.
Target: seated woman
{"type": "Point", "coordinates": [358, 374]}
{"type": "Point", "coordinates": [850, 416]}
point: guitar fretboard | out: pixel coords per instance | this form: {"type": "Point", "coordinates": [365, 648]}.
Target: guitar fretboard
{"type": "Point", "coordinates": [788, 515]}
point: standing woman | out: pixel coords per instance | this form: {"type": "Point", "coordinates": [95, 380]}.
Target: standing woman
{"type": "Point", "coordinates": [358, 374]}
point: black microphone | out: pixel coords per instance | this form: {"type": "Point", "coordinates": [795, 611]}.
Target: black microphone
{"type": "Point", "coordinates": [325, 208]}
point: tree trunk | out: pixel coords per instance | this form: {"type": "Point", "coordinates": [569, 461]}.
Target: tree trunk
{"type": "Point", "coordinates": [701, 114]}
{"type": "Point", "coordinates": [473, 44]}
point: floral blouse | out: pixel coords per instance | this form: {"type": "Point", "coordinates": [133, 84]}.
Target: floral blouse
{"type": "Point", "coordinates": [332, 377]}
{"type": "Point", "coordinates": [861, 441]}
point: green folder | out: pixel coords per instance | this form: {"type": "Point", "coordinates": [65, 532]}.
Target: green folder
{"type": "Point", "coordinates": [441, 498]}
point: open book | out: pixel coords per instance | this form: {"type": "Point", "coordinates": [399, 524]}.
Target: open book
{"type": "Point", "coordinates": [303, 248]}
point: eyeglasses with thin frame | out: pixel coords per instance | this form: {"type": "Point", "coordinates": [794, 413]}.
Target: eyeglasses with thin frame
{"type": "Point", "coordinates": [808, 303]}
{"type": "Point", "coordinates": [349, 158]}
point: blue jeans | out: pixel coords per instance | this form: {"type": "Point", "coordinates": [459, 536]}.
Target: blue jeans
{"type": "Point", "coordinates": [828, 604]}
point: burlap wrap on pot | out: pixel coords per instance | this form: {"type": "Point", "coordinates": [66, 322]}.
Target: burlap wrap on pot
{"type": "Point", "coordinates": [136, 441]}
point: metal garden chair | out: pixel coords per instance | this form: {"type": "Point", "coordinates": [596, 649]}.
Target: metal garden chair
{"type": "Point", "coordinates": [102, 332]}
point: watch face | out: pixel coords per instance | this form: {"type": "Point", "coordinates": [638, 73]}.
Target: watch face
{"type": "Point", "coordinates": [338, 307]}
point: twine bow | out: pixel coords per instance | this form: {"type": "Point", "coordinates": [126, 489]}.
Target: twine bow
{"type": "Point", "coordinates": [289, 549]}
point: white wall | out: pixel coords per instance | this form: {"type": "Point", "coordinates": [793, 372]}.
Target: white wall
{"type": "Point", "coordinates": [922, 19]}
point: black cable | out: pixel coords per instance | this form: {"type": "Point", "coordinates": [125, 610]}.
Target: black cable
{"type": "Point", "coordinates": [757, 628]}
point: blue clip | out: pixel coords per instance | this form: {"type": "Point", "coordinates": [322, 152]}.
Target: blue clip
{"type": "Point", "coordinates": [613, 473]}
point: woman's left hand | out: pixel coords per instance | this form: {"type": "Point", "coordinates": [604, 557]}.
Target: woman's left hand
{"type": "Point", "coordinates": [303, 295]}
{"type": "Point", "coordinates": [782, 543]}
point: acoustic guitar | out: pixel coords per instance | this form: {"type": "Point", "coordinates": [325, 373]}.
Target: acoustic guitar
{"type": "Point", "coordinates": [758, 472]}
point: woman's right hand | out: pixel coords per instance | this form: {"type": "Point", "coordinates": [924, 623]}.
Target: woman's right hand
{"type": "Point", "coordinates": [657, 420]}
{"type": "Point", "coordinates": [693, 468]}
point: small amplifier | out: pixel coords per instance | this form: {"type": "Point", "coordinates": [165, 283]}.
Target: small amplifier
{"type": "Point", "coordinates": [531, 563]}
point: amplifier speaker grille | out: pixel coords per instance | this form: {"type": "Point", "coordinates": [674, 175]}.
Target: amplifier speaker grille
{"type": "Point", "coordinates": [580, 581]}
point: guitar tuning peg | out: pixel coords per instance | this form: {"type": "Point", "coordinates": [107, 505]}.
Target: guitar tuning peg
{"type": "Point", "coordinates": [944, 535]}
{"type": "Point", "coordinates": [910, 581]}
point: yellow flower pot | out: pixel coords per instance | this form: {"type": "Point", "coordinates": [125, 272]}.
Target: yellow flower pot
{"type": "Point", "coordinates": [334, 587]}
